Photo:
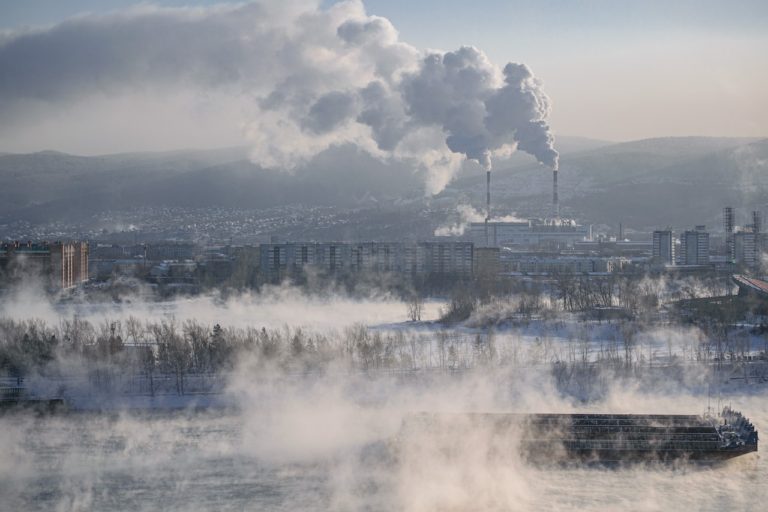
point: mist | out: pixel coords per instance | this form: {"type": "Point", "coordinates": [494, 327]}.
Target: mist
{"type": "Point", "coordinates": [467, 214]}
{"type": "Point", "coordinates": [283, 432]}
{"type": "Point", "coordinates": [337, 443]}
{"type": "Point", "coordinates": [295, 79]}
{"type": "Point", "coordinates": [273, 307]}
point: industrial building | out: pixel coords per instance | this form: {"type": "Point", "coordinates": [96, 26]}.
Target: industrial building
{"type": "Point", "coordinates": [551, 234]}
{"type": "Point", "coordinates": [61, 265]}
{"type": "Point", "coordinates": [626, 248]}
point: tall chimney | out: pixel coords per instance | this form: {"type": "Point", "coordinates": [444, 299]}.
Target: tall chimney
{"type": "Point", "coordinates": [487, 205]}
{"type": "Point", "coordinates": [487, 195]}
{"type": "Point", "coordinates": [555, 200]}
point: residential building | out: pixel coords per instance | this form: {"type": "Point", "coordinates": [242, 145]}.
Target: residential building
{"type": "Point", "coordinates": [663, 247]}
{"type": "Point", "coordinates": [694, 247]}
{"type": "Point", "coordinates": [280, 259]}
{"type": "Point", "coordinates": [60, 265]}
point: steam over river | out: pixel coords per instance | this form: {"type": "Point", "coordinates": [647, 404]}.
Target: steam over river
{"type": "Point", "coordinates": [332, 440]}
{"type": "Point", "coordinates": [214, 461]}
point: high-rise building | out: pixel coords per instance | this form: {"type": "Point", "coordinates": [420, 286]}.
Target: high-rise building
{"type": "Point", "coordinates": [60, 265]}
{"type": "Point", "coordinates": [694, 247]}
{"type": "Point", "coordinates": [749, 248]}
{"type": "Point", "coordinates": [663, 247]}
{"type": "Point", "coordinates": [745, 248]}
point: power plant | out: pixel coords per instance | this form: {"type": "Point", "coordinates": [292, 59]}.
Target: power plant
{"type": "Point", "coordinates": [555, 233]}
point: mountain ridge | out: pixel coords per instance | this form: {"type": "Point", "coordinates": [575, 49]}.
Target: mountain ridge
{"type": "Point", "coordinates": [677, 181]}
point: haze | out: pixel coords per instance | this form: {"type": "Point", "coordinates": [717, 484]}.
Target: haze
{"type": "Point", "coordinates": [383, 255]}
{"type": "Point", "coordinates": [613, 71]}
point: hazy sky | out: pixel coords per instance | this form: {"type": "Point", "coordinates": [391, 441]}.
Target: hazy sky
{"type": "Point", "coordinates": [612, 69]}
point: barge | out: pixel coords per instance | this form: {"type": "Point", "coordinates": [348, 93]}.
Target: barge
{"type": "Point", "coordinates": [603, 438]}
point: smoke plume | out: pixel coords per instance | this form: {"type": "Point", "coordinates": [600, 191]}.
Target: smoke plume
{"type": "Point", "coordinates": [306, 77]}
{"type": "Point", "coordinates": [467, 214]}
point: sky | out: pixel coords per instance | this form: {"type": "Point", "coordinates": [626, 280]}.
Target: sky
{"type": "Point", "coordinates": [614, 70]}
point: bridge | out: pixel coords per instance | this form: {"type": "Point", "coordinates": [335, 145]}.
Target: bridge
{"type": "Point", "coordinates": [751, 286]}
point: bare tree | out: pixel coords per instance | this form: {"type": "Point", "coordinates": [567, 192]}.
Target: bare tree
{"type": "Point", "coordinates": [628, 338]}
{"type": "Point", "coordinates": [415, 307]}
{"type": "Point", "coordinates": [174, 350]}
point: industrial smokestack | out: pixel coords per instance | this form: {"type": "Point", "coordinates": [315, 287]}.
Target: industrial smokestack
{"type": "Point", "coordinates": [487, 205]}
{"type": "Point", "coordinates": [555, 199]}
{"type": "Point", "coordinates": [487, 196]}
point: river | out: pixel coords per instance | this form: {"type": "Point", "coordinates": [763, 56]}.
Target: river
{"type": "Point", "coordinates": [315, 460]}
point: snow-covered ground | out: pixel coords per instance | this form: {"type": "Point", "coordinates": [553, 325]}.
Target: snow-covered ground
{"type": "Point", "coordinates": [678, 355]}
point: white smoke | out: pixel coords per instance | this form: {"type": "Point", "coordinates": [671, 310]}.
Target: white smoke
{"type": "Point", "coordinates": [468, 214]}
{"type": "Point", "coordinates": [309, 77]}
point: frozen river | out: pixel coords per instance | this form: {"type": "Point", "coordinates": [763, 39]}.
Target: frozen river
{"type": "Point", "coordinates": [327, 444]}
{"type": "Point", "coordinates": [216, 461]}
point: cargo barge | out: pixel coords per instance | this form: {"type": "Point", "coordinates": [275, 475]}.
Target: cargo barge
{"type": "Point", "coordinates": [603, 438]}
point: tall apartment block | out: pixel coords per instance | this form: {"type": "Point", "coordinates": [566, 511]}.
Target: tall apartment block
{"type": "Point", "coordinates": [664, 247]}
{"type": "Point", "coordinates": [694, 247]}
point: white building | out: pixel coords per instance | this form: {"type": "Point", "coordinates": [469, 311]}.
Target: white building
{"type": "Point", "coordinates": [529, 234]}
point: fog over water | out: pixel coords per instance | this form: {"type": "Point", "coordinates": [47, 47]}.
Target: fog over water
{"type": "Point", "coordinates": [333, 440]}
{"type": "Point", "coordinates": [327, 455]}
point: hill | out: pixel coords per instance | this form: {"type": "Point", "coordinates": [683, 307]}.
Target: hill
{"type": "Point", "coordinates": [645, 184]}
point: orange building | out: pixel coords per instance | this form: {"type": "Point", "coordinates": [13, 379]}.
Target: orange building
{"type": "Point", "coordinates": [61, 265]}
